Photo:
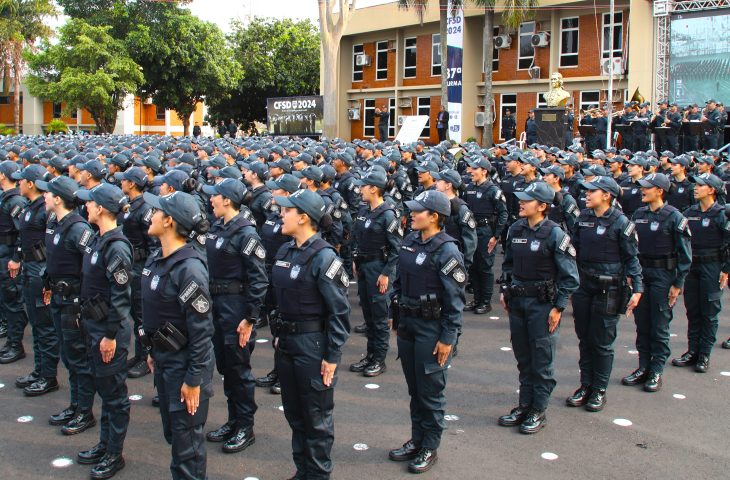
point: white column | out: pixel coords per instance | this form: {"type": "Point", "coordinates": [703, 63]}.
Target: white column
{"type": "Point", "coordinates": [167, 122]}
{"type": "Point", "coordinates": [32, 113]}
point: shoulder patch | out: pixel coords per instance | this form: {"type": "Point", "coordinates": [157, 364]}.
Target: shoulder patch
{"type": "Point", "coordinates": [121, 277]}
{"type": "Point", "coordinates": [333, 268]}
{"type": "Point", "coordinates": [682, 225]}
{"type": "Point", "coordinates": [267, 204]}
{"type": "Point", "coordinates": [85, 237]}
{"type": "Point", "coordinates": [449, 266]}
{"type": "Point", "coordinates": [393, 225]}
{"type": "Point", "coordinates": [629, 229]}
{"type": "Point", "coordinates": [201, 304]}
{"type": "Point", "coordinates": [250, 246]}
{"type": "Point", "coordinates": [188, 292]}
{"type": "Point", "coordinates": [147, 218]}
{"type": "Point", "coordinates": [116, 261]}
{"type": "Point", "coordinates": [459, 275]}
{"type": "Point", "coordinates": [564, 243]}
{"type": "Point", "coordinates": [344, 279]}
{"type": "Point", "coordinates": [15, 212]}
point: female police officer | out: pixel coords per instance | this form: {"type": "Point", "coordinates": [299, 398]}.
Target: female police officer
{"type": "Point", "coordinates": [378, 237]}
{"type": "Point", "coordinates": [607, 254]}
{"type": "Point", "coordinates": [311, 292]}
{"type": "Point", "coordinates": [709, 272]}
{"type": "Point", "coordinates": [238, 286]}
{"type": "Point", "coordinates": [539, 273]}
{"type": "Point", "coordinates": [106, 300]}
{"type": "Point", "coordinates": [176, 315]}
{"type": "Point", "coordinates": [665, 255]}
{"type": "Point", "coordinates": [430, 292]}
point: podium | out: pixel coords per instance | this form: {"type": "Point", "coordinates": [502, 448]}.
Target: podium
{"type": "Point", "coordinates": [695, 127]}
{"type": "Point", "coordinates": [626, 131]}
{"type": "Point", "coordinates": [551, 126]}
{"type": "Point", "coordinates": [586, 130]}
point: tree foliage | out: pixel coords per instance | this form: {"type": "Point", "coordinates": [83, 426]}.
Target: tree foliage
{"type": "Point", "coordinates": [185, 61]}
{"type": "Point", "coordinates": [86, 69]}
{"type": "Point", "coordinates": [278, 58]}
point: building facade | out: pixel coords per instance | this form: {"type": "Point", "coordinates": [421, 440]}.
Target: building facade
{"type": "Point", "coordinates": [389, 60]}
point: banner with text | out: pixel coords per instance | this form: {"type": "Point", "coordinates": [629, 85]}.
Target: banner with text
{"type": "Point", "coordinates": [295, 115]}
{"type": "Point", "coordinates": [454, 63]}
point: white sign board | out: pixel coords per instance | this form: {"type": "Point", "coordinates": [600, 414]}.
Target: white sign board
{"type": "Point", "coordinates": [411, 129]}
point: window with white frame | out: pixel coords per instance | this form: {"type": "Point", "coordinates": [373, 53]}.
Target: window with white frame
{"type": "Point", "coordinates": [590, 99]}
{"type": "Point", "coordinates": [409, 58]}
{"type": "Point", "coordinates": [508, 101]}
{"type": "Point", "coordinates": [569, 42]}
{"type": "Point", "coordinates": [368, 130]}
{"type": "Point", "coordinates": [381, 60]}
{"type": "Point", "coordinates": [159, 112]}
{"type": "Point", "coordinates": [541, 103]}
{"type": "Point", "coordinates": [424, 108]}
{"type": "Point", "coordinates": [435, 54]}
{"type": "Point", "coordinates": [527, 51]}
{"type": "Point", "coordinates": [616, 43]}
{"type": "Point", "coordinates": [357, 50]}
{"type": "Point", "coordinates": [495, 55]}
{"type": "Point", "coordinates": [391, 118]}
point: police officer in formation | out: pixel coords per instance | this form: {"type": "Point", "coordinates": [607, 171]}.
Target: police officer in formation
{"type": "Point", "coordinates": [238, 284]}
{"type": "Point", "coordinates": [377, 234]}
{"type": "Point", "coordinates": [178, 329]}
{"type": "Point", "coordinates": [539, 273]}
{"type": "Point", "coordinates": [106, 301]}
{"type": "Point", "coordinates": [610, 285]}
{"type": "Point", "coordinates": [430, 295]}
{"type": "Point", "coordinates": [313, 324]}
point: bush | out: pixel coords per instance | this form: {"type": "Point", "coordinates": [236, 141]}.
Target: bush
{"type": "Point", "coordinates": [56, 126]}
{"type": "Point", "coordinates": [5, 130]}
{"type": "Point", "coordinates": [471, 139]}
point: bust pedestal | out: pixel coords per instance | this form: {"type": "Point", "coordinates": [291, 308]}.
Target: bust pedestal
{"type": "Point", "coordinates": [551, 126]}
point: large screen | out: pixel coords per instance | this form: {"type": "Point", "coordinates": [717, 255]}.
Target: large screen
{"type": "Point", "coordinates": [301, 116]}
{"type": "Point", "coordinates": [700, 57]}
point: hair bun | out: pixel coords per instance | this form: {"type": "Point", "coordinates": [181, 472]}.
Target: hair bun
{"type": "Point", "coordinates": [325, 223]}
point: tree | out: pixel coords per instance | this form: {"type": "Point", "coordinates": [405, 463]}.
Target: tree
{"type": "Point", "coordinates": [278, 58]}
{"type": "Point", "coordinates": [86, 69]}
{"type": "Point", "coordinates": [331, 27]}
{"type": "Point", "coordinates": [22, 26]}
{"type": "Point", "coordinates": [185, 61]}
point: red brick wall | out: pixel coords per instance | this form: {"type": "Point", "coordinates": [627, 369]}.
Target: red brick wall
{"type": "Point", "coordinates": [589, 45]}
{"type": "Point", "coordinates": [423, 63]}
{"type": "Point", "coordinates": [357, 126]}
{"type": "Point", "coordinates": [368, 71]}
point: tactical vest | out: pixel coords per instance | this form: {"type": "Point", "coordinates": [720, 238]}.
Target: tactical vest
{"type": "Point", "coordinates": [707, 227]}
{"type": "Point", "coordinates": [480, 199]}
{"type": "Point", "coordinates": [630, 197]}
{"type": "Point", "coordinates": [598, 242]}
{"type": "Point", "coordinates": [224, 258]}
{"type": "Point", "coordinates": [8, 213]}
{"type": "Point", "coordinates": [452, 222]}
{"type": "Point", "coordinates": [62, 260]}
{"type": "Point", "coordinates": [419, 275]}
{"type": "Point", "coordinates": [271, 237]}
{"type": "Point", "coordinates": [681, 197]}
{"type": "Point", "coordinates": [134, 227]}
{"type": "Point", "coordinates": [656, 238]}
{"type": "Point", "coordinates": [93, 270]}
{"type": "Point", "coordinates": [32, 226]}
{"type": "Point", "coordinates": [369, 236]}
{"type": "Point", "coordinates": [158, 305]}
{"type": "Point", "coordinates": [297, 291]}
{"type": "Point", "coordinates": [532, 260]}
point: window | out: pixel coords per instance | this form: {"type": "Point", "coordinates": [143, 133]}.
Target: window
{"type": "Point", "coordinates": [369, 123]}
{"type": "Point", "coordinates": [356, 69]}
{"type": "Point", "coordinates": [527, 51]}
{"type": "Point", "coordinates": [495, 53]}
{"type": "Point", "coordinates": [5, 100]}
{"type": "Point", "coordinates": [508, 101]}
{"type": "Point", "coordinates": [435, 54]}
{"type": "Point", "coordinates": [409, 62]}
{"type": "Point", "coordinates": [541, 103]}
{"type": "Point", "coordinates": [381, 60]}
{"type": "Point", "coordinates": [589, 99]}
{"type": "Point", "coordinates": [424, 108]}
{"type": "Point", "coordinates": [57, 110]}
{"type": "Point", "coordinates": [615, 44]}
{"type": "Point", "coordinates": [75, 114]}
{"type": "Point", "coordinates": [569, 42]}
{"type": "Point", "coordinates": [391, 119]}
{"type": "Point", "coordinates": [159, 112]}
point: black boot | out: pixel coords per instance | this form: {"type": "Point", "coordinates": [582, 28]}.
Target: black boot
{"type": "Point", "coordinates": [362, 328]}
{"type": "Point", "coordinates": [108, 466]}
{"type": "Point", "coordinates": [41, 387]}
{"type": "Point", "coordinates": [223, 433]}
{"type": "Point", "coordinates": [268, 380]}
{"type": "Point", "coordinates": [139, 369]}
{"type": "Point", "coordinates": [24, 381]}
{"type": "Point", "coordinates": [80, 422]}
{"type": "Point", "coordinates": [362, 364]}
{"type": "Point", "coordinates": [156, 401]}
{"type": "Point", "coordinates": [515, 417]}
{"type": "Point", "coordinates": [482, 309]}
{"type": "Point", "coordinates": [703, 364]}
{"type": "Point", "coordinates": [725, 344]}
{"type": "Point", "coordinates": [240, 440]}
{"type": "Point", "coordinates": [653, 382]}
{"type": "Point", "coordinates": [63, 417]}
{"type": "Point", "coordinates": [93, 455]}
{"type": "Point", "coordinates": [407, 452]}
{"type": "Point", "coordinates": [12, 354]}
{"type": "Point", "coordinates": [374, 369]}
{"type": "Point", "coordinates": [579, 397]}
{"type": "Point", "coordinates": [597, 400]}
{"type": "Point", "coordinates": [469, 307]}
{"type": "Point", "coordinates": [534, 422]}
{"type": "Point", "coordinates": [423, 462]}
{"type": "Point", "coordinates": [687, 358]}
{"type": "Point", "coordinates": [275, 388]}
{"type": "Point", "coordinates": [636, 377]}
{"type": "Point", "coordinates": [3, 328]}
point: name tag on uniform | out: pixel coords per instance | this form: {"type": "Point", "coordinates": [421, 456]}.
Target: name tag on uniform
{"type": "Point", "coordinates": [519, 240]}
{"type": "Point", "coordinates": [283, 264]}
{"type": "Point", "coordinates": [586, 224]}
{"type": "Point", "coordinates": [146, 272]}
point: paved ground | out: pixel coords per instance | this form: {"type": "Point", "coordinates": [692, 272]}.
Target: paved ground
{"type": "Point", "coordinates": [680, 432]}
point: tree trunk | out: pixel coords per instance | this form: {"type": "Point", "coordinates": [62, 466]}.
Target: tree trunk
{"type": "Point", "coordinates": [16, 104]}
{"type": "Point", "coordinates": [443, 17]}
{"type": "Point", "coordinates": [487, 51]}
{"type": "Point", "coordinates": [330, 54]}
{"type": "Point", "coordinates": [186, 125]}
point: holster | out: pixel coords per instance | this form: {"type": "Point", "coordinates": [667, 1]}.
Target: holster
{"type": "Point", "coordinates": [169, 338]}
{"type": "Point", "coordinates": [144, 339]}
{"type": "Point", "coordinates": [95, 308]}
{"type": "Point", "coordinates": [275, 323]}
{"type": "Point", "coordinates": [430, 308]}
{"type": "Point", "coordinates": [38, 252]}
{"type": "Point", "coordinates": [625, 294]}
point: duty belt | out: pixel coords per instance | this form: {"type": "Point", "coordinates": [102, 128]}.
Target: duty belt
{"type": "Point", "coordinates": [230, 287]}
{"type": "Point", "coordinates": [485, 221]}
{"type": "Point", "coordinates": [407, 311]}
{"type": "Point", "coordinates": [361, 257]}
{"type": "Point", "coordinates": [665, 261]}
{"type": "Point", "coordinates": [605, 280]}
{"type": "Point", "coordinates": [288, 327]}
{"type": "Point", "coordinates": [708, 257]}
{"type": "Point", "coordinates": [8, 238]}
{"type": "Point", "coordinates": [65, 288]}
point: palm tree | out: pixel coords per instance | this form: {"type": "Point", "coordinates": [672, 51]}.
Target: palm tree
{"type": "Point", "coordinates": [22, 25]}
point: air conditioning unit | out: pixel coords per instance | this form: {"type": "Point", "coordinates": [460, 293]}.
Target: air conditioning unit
{"type": "Point", "coordinates": [618, 66]}
{"type": "Point", "coordinates": [362, 60]}
{"type": "Point", "coordinates": [148, 101]}
{"type": "Point", "coordinates": [353, 114]}
{"type": "Point", "coordinates": [480, 118]}
{"type": "Point", "coordinates": [405, 102]}
{"type": "Point", "coordinates": [401, 119]}
{"type": "Point", "coordinates": [534, 72]}
{"type": "Point", "coordinates": [391, 45]}
{"type": "Point", "coordinates": [540, 39]}
{"type": "Point", "coordinates": [502, 41]}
